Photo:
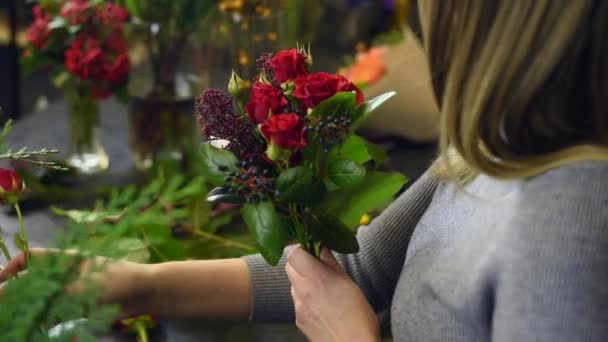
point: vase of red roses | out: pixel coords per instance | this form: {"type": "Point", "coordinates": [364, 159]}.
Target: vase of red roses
{"type": "Point", "coordinates": [82, 43]}
{"type": "Point", "coordinates": [285, 149]}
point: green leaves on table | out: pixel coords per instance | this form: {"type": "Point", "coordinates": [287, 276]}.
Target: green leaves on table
{"type": "Point", "coordinates": [299, 185]}
{"type": "Point", "coordinates": [216, 162]}
{"type": "Point", "coordinates": [269, 229]}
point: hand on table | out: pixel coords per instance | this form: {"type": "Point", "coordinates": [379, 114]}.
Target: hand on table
{"type": "Point", "coordinates": [329, 305]}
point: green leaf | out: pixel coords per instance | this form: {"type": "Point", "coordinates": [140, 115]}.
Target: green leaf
{"type": "Point", "coordinates": [134, 8]}
{"type": "Point", "coordinates": [221, 195]}
{"type": "Point", "coordinates": [268, 229]}
{"type": "Point", "coordinates": [132, 249]}
{"type": "Point", "coordinates": [377, 189]}
{"type": "Point", "coordinates": [61, 78]}
{"type": "Point", "coordinates": [341, 103]}
{"type": "Point", "coordinates": [334, 234]}
{"type": "Point", "coordinates": [378, 154]}
{"type": "Point", "coordinates": [346, 173]}
{"type": "Point", "coordinates": [365, 109]}
{"type": "Point", "coordinates": [353, 148]}
{"type": "Point", "coordinates": [215, 158]}
{"type": "Point", "coordinates": [299, 185]}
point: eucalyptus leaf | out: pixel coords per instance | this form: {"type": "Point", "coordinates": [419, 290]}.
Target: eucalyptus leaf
{"type": "Point", "coordinates": [299, 185]}
{"type": "Point", "coordinates": [266, 225]}
{"type": "Point", "coordinates": [377, 189]}
{"type": "Point", "coordinates": [215, 159]}
{"type": "Point", "coordinates": [365, 109]}
{"type": "Point", "coordinates": [334, 234]}
{"type": "Point", "coordinates": [346, 173]}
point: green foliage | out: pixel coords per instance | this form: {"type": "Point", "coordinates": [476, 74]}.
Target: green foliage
{"type": "Point", "coordinates": [143, 223]}
{"type": "Point", "coordinates": [365, 109]}
{"type": "Point", "coordinates": [346, 173]}
{"type": "Point", "coordinates": [36, 301]}
{"type": "Point", "coordinates": [334, 234]}
{"type": "Point", "coordinates": [268, 227]}
{"type": "Point", "coordinates": [373, 193]}
{"type": "Point", "coordinates": [300, 185]}
{"type": "Point", "coordinates": [216, 162]}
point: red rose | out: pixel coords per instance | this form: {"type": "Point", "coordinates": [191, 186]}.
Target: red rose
{"type": "Point", "coordinates": [112, 15]}
{"type": "Point", "coordinates": [285, 130]}
{"type": "Point", "coordinates": [287, 65]}
{"type": "Point", "coordinates": [264, 99]}
{"type": "Point", "coordinates": [11, 186]}
{"type": "Point", "coordinates": [117, 71]}
{"type": "Point", "coordinates": [313, 89]}
{"type": "Point", "coordinates": [85, 59]}
{"type": "Point", "coordinates": [116, 42]}
{"type": "Point", "coordinates": [76, 12]}
{"type": "Point", "coordinates": [39, 32]}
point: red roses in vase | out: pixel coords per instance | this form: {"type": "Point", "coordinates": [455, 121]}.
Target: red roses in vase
{"type": "Point", "coordinates": [285, 161]}
{"type": "Point", "coordinates": [83, 44]}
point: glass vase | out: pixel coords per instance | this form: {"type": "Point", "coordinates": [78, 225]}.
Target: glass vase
{"type": "Point", "coordinates": [86, 154]}
{"type": "Point", "coordinates": [163, 84]}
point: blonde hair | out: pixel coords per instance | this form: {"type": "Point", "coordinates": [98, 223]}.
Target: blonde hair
{"type": "Point", "coordinates": [522, 85]}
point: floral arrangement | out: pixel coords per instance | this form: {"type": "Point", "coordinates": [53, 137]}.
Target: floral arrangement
{"type": "Point", "coordinates": [286, 149]}
{"type": "Point", "coordinates": [82, 43]}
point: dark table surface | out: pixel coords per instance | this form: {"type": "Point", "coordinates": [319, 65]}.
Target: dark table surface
{"type": "Point", "coordinates": [49, 129]}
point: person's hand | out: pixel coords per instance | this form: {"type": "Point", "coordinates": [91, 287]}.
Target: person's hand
{"type": "Point", "coordinates": [329, 305]}
{"type": "Point", "coordinates": [123, 282]}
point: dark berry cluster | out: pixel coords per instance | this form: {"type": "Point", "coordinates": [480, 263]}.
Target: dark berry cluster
{"type": "Point", "coordinates": [218, 120]}
{"type": "Point", "coordinates": [253, 181]}
{"type": "Point", "coordinates": [329, 131]}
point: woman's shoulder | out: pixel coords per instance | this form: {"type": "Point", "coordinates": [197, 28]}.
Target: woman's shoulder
{"type": "Point", "coordinates": [563, 210]}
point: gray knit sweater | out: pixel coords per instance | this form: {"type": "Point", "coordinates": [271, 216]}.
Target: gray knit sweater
{"type": "Point", "coordinates": [502, 261]}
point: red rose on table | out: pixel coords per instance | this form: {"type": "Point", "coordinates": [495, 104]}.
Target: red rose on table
{"type": "Point", "coordinates": [117, 71]}
{"type": "Point", "coordinates": [313, 89]}
{"type": "Point", "coordinates": [76, 12]}
{"type": "Point", "coordinates": [11, 186]}
{"type": "Point", "coordinates": [287, 65]}
{"type": "Point", "coordinates": [285, 130]}
{"type": "Point", "coordinates": [264, 99]}
{"type": "Point", "coordinates": [112, 15]}
{"type": "Point", "coordinates": [116, 42]}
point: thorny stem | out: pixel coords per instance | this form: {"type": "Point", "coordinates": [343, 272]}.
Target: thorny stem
{"type": "Point", "coordinates": [220, 239]}
{"type": "Point", "coordinates": [26, 247]}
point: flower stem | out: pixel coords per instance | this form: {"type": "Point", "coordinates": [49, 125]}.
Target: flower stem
{"type": "Point", "coordinates": [26, 248]}
{"type": "Point", "coordinates": [142, 332]}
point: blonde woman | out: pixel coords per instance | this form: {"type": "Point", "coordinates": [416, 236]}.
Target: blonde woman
{"type": "Point", "coordinates": [504, 239]}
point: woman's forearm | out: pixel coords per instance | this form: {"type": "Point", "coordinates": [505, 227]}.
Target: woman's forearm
{"type": "Point", "coordinates": [212, 289]}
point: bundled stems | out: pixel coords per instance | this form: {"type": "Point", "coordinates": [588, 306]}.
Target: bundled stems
{"type": "Point", "coordinates": [24, 238]}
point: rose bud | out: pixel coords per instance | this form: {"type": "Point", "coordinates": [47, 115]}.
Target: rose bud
{"type": "Point", "coordinates": [237, 86]}
{"type": "Point", "coordinates": [11, 186]}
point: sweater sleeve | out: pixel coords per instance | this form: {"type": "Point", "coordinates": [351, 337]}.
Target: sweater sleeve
{"type": "Point", "coordinates": [376, 268]}
{"type": "Point", "coordinates": [553, 278]}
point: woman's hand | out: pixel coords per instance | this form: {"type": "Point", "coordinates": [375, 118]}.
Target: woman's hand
{"type": "Point", "coordinates": [329, 305]}
{"type": "Point", "coordinates": [123, 282]}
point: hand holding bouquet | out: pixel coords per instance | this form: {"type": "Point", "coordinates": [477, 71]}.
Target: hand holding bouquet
{"type": "Point", "coordinates": [285, 148]}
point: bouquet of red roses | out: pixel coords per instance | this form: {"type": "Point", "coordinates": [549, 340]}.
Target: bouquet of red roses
{"type": "Point", "coordinates": [82, 42]}
{"type": "Point", "coordinates": [285, 148]}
